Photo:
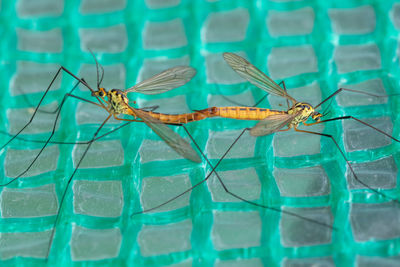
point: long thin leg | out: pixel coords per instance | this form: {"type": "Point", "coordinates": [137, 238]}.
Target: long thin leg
{"type": "Point", "coordinates": [40, 110]}
{"type": "Point", "coordinates": [46, 142]}
{"type": "Point", "coordinates": [69, 182]}
{"type": "Point", "coordinates": [347, 162]}
{"type": "Point", "coordinates": [225, 187]}
{"type": "Point", "coordinates": [42, 98]}
{"type": "Point", "coordinates": [360, 121]}
{"type": "Point", "coordinates": [71, 143]}
{"type": "Point", "coordinates": [52, 111]}
{"type": "Point", "coordinates": [36, 109]}
{"type": "Point", "coordinates": [199, 183]}
{"type": "Point", "coordinates": [354, 91]}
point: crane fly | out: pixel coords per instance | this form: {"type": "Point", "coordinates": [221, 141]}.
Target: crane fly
{"type": "Point", "coordinates": [272, 121]}
{"type": "Point", "coordinates": [116, 102]}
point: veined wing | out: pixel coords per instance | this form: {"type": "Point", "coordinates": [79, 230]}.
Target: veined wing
{"type": "Point", "coordinates": [173, 139]}
{"type": "Point", "coordinates": [249, 72]}
{"type": "Point", "coordinates": [272, 124]}
{"type": "Point", "coordinates": [164, 81]}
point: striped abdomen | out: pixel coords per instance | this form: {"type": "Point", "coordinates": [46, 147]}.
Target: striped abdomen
{"type": "Point", "coordinates": [240, 113]}
{"type": "Point", "coordinates": [177, 118]}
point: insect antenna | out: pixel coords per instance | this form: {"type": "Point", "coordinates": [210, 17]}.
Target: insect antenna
{"type": "Point", "coordinates": [98, 65]}
{"type": "Point", "coordinates": [354, 91]}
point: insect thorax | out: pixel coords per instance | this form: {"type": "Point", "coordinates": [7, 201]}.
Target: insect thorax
{"type": "Point", "coordinates": [305, 110]}
{"type": "Point", "coordinates": [118, 101]}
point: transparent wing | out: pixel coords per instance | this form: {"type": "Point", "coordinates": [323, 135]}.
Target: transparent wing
{"type": "Point", "coordinates": [164, 81]}
{"type": "Point", "coordinates": [249, 72]}
{"type": "Point", "coordinates": [173, 139]}
{"type": "Point", "coordinates": [271, 124]}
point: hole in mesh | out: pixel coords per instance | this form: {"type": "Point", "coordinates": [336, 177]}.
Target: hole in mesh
{"type": "Point", "coordinates": [94, 244]}
{"type": "Point", "coordinates": [371, 222]}
{"type": "Point", "coordinates": [87, 113]}
{"type": "Point", "coordinates": [297, 22]}
{"type": "Point", "coordinates": [244, 99]}
{"type": "Point", "coordinates": [239, 263]}
{"type": "Point", "coordinates": [40, 41]}
{"type": "Point", "coordinates": [41, 123]}
{"type": "Point", "coordinates": [289, 61]}
{"type": "Point", "coordinates": [100, 155]}
{"type": "Point", "coordinates": [292, 143]}
{"type": "Point", "coordinates": [98, 198]}
{"type": "Point", "coordinates": [361, 137]}
{"type": "Point", "coordinates": [101, 6]}
{"type": "Point", "coordinates": [219, 142]}
{"type": "Point", "coordinates": [381, 174]}
{"type": "Point", "coordinates": [377, 261]}
{"type": "Point", "coordinates": [395, 15]}
{"type": "Point", "coordinates": [296, 232]}
{"type": "Point", "coordinates": [244, 183]}
{"type": "Point", "coordinates": [112, 39]}
{"type": "Point", "coordinates": [302, 182]}
{"type": "Point", "coordinates": [218, 71]}
{"type": "Point", "coordinates": [157, 4]}
{"type": "Point", "coordinates": [349, 58]}
{"type": "Point", "coordinates": [227, 26]}
{"type": "Point", "coordinates": [33, 77]}
{"type": "Point", "coordinates": [29, 8]}
{"type": "Point", "coordinates": [155, 150]}
{"type": "Point", "coordinates": [17, 161]}
{"type": "Point", "coordinates": [157, 190]}
{"type": "Point", "coordinates": [360, 20]}
{"type": "Point", "coordinates": [227, 230]}
{"type": "Point", "coordinates": [29, 202]}
{"type": "Point", "coordinates": [170, 105]}
{"type": "Point", "coordinates": [164, 35]}
{"type": "Point", "coordinates": [373, 86]}
{"type": "Point", "coordinates": [151, 67]}
{"type": "Point", "coordinates": [27, 244]}
{"type": "Point", "coordinates": [307, 262]}
{"type": "Point", "coordinates": [165, 239]}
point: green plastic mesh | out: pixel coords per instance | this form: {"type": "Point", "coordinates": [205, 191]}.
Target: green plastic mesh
{"type": "Point", "coordinates": [316, 47]}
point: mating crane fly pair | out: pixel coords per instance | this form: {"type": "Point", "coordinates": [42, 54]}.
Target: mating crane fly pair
{"type": "Point", "coordinates": [116, 102]}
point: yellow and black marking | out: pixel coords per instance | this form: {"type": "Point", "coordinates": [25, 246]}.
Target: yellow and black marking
{"type": "Point", "coordinates": [304, 111]}
{"type": "Point", "coordinates": [118, 103]}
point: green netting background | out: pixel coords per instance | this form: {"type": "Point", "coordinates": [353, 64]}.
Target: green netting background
{"type": "Point", "coordinates": [315, 46]}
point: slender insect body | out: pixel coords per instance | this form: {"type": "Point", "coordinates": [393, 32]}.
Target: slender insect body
{"type": "Point", "coordinates": [118, 101]}
{"type": "Point", "coordinates": [240, 113]}
{"type": "Point", "coordinates": [177, 118]}
{"type": "Point", "coordinates": [304, 111]}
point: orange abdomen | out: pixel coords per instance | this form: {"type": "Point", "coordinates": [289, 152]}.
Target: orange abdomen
{"type": "Point", "coordinates": [239, 113]}
{"type": "Point", "coordinates": [177, 118]}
